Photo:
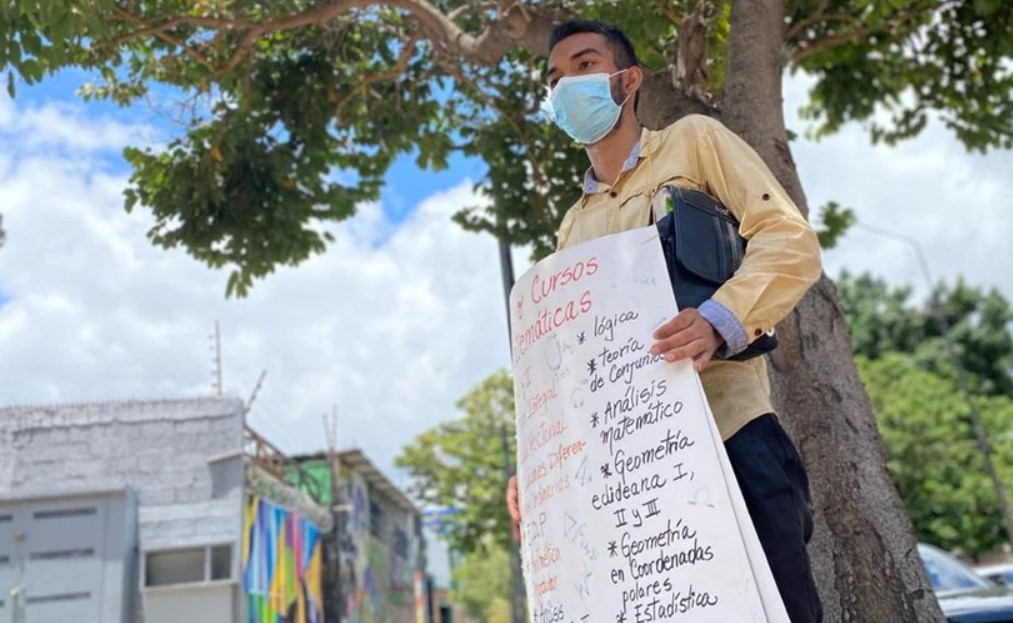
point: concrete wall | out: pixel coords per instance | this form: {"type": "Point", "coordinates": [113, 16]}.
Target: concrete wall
{"type": "Point", "coordinates": [159, 449]}
{"type": "Point", "coordinates": [182, 458]}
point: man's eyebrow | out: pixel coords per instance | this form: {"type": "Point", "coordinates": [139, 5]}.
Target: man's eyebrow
{"type": "Point", "coordinates": [573, 57]}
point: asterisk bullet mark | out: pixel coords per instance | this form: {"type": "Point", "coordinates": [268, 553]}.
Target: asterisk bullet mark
{"type": "Point", "coordinates": [592, 367]}
{"type": "Point", "coordinates": [605, 471]}
{"type": "Point", "coordinates": [594, 420]}
{"type": "Point", "coordinates": [612, 549]}
{"type": "Point", "coordinates": [621, 617]}
{"type": "Point", "coordinates": [581, 338]}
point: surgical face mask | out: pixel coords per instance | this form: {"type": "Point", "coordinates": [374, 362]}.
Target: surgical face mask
{"type": "Point", "coordinates": [582, 106]}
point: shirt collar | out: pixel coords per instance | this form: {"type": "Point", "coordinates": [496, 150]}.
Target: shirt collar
{"type": "Point", "coordinates": [647, 138]}
{"type": "Point", "coordinates": [591, 184]}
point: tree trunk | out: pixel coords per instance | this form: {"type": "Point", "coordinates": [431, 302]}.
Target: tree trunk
{"type": "Point", "coordinates": [863, 551]}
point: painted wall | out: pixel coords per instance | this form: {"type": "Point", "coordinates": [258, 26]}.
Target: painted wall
{"type": "Point", "coordinates": [379, 558]}
{"type": "Point", "coordinates": [380, 551]}
{"type": "Point", "coordinates": [282, 565]}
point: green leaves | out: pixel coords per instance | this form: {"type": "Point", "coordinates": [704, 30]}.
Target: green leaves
{"type": "Point", "coordinates": [835, 222]}
{"type": "Point", "coordinates": [289, 121]}
{"type": "Point", "coordinates": [910, 60]}
{"type": "Point", "coordinates": [482, 584]}
{"type": "Point", "coordinates": [459, 464]}
{"type": "Point", "coordinates": [922, 417]}
{"type": "Point", "coordinates": [932, 456]}
{"type": "Point", "coordinates": [883, 320]}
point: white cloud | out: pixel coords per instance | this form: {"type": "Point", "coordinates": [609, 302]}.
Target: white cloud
{"type": "Point", "coordinates": [393, 334]}
{"type": "Point", "coordinates": [958, 206]}
{"type": "Point", "coordinates": [64, 125]}
{"type": "Point", "coordinates": [392, 325]}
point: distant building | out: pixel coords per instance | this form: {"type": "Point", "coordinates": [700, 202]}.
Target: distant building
{"type": "Point", "coordinates": [379, 542]}
{"type": "Point", "coordinates": [152, 512]}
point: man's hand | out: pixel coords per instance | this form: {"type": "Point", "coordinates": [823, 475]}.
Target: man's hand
{"type": "Point", "coordinates": [514, 508]}
{"type": "Point", "coordinates": [686, 336]}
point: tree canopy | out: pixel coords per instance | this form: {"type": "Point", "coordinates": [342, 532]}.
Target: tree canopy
{"type": "Point", "coordinates": [884, 319]}
{"type": "Point", "coordinates": [922, 416]}
{"type": "Point", "coordinates": [459, 464]}
{"type": "Point", "coordinates": [297, 108]}
{"type": "Point", "coordinates": [482, 585]}
{"type": "Point", "coordinates": [932, 456]}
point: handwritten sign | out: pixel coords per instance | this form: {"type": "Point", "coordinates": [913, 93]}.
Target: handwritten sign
{"type": "Point", "coordinates": [631, 512]}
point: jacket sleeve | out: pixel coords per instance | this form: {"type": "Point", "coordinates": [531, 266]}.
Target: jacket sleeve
{"type": "Point", "coordinates": [782, 258]}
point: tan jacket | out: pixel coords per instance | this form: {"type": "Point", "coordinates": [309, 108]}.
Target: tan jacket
{"type": "Point", "coordinates": [782, 258]}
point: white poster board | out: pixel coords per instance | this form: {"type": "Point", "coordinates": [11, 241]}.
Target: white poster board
{"type": "Point", "coordinates": [630, 510]}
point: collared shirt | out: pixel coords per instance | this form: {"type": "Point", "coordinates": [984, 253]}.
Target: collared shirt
{"type": "Point", "coordinates": [782, 257]}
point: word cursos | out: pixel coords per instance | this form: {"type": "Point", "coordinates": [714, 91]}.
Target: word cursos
{"type": "Point", "coordinates": [555, 316]}
{"type": "Point", "coordinates": [549, 320]}
{"type": "Point", "coordinates": [542, 288]}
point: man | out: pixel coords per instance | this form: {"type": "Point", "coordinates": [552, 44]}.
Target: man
{"type": "Point", "coordinates": [594, 80]}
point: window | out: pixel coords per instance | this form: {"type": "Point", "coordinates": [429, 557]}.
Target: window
{"type": "Point", "coordinates": [221, 562]}
{"type": "Point", "coordinates": [194, 565]}
{"type": "Point", "coordinates": [375, 519]}
{"type": "Point", "coordinates": [181, 566]}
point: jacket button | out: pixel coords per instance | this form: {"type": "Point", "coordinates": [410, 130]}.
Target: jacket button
{"type": "Point", "coordinates": [613, 194]}
{"type": "Point", "coordinates": [759, 332]}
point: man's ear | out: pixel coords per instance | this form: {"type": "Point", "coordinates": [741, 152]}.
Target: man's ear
{"type": "Point", "coordinates": [634, 79]}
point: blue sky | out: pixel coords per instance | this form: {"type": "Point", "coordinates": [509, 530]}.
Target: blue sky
{"type": "Point", "coordinates": [401, 282]}
{"type": "Point", "coordinates": [404, 312]}
{"type": "Point", "coordinates": [398, 201]}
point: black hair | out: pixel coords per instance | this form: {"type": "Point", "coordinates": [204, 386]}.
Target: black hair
{"type": "Point", "coordinates": [622, 48]}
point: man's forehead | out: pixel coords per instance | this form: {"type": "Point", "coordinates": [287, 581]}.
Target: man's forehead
{"type": "Point", "coordinates": [578, 43]}
{"type": "Point", "coordinates": [576, 46]}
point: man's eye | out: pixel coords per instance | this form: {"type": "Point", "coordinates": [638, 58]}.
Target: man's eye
{"type": "Point", "coordinates": [586, 64]}
{"type": "Point", "coordinates": [552, 84]}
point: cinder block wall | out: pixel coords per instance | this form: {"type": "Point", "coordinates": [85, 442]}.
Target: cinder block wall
{"type": "Point", "coordinates": [161, 449]}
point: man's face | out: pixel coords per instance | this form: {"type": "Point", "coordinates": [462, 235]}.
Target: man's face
{"type": "Point", "coordinates": [585, 53]}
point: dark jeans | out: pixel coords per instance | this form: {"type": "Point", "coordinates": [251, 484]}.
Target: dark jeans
{"type": "Point", "coordinates": [776, 489]}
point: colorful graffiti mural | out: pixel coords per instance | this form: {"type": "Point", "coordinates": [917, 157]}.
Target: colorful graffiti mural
{"type": "Point", "coordinates": [281, 565]}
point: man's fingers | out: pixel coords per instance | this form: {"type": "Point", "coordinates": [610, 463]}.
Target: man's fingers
{"type": "Point", "coordinates": [685, 318]}
{"type": "Point", "coordinates": [514, 509]}
{"type": "Point", "coordinates": [680, 339]}
{"type": "Point", "coordinates": [689, 351]}
{"type": "Point", "coordinates": [701, 360]}
{"type": "Point", "coordinates": [511, 499]}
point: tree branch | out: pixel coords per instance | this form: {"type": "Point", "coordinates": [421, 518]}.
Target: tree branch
{"type": "Point", "coordinates": [800, 26]}
{"type": "Point", "coordinates": [809, 47]}
{"type": "Point", "coordinates": [516, 26]}
{"type": "Point", "coordinates": [400, 68]}
{"type": "Point", "coordinates": [159, 32]}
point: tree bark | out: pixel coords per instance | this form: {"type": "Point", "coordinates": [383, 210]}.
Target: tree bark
{"type": "Point", "coordinates": [863, 551]}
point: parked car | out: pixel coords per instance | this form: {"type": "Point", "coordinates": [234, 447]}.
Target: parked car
{"type": "Point", "coordinates": [1000, 574]}
{"type": "Point", "coordinates": [965, 596]}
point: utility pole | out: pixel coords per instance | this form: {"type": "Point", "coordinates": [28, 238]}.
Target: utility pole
{"type": "Point", "coordinates": [980, 437]}
{"type": "Point", "coordinates": [256, 390]}
{"type": "Point", "coordinates": [218, 360]}
{"type": "Point", "coordinates": [517, 597]}
{"type": "Point", "coordinates": [517, 600]}
{"type": "Point", "coordinates": [334, 544]}
{"type": "Point", "coordinates": [506, 265]}
{"type": "Point", "coordinates": [331, 432]}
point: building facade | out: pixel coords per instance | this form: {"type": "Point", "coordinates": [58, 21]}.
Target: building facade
{"type": "Point", "coordinates": [143, 512]}
{"type": "Point", "coordinates": [379, 544]}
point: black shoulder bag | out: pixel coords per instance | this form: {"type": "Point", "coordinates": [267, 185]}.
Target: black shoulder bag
{"type": "Point", "coordinates": [703, 249]}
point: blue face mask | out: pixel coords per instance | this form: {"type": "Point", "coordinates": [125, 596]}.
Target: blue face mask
{"type": "Point", "coordinates": [582, 106]}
